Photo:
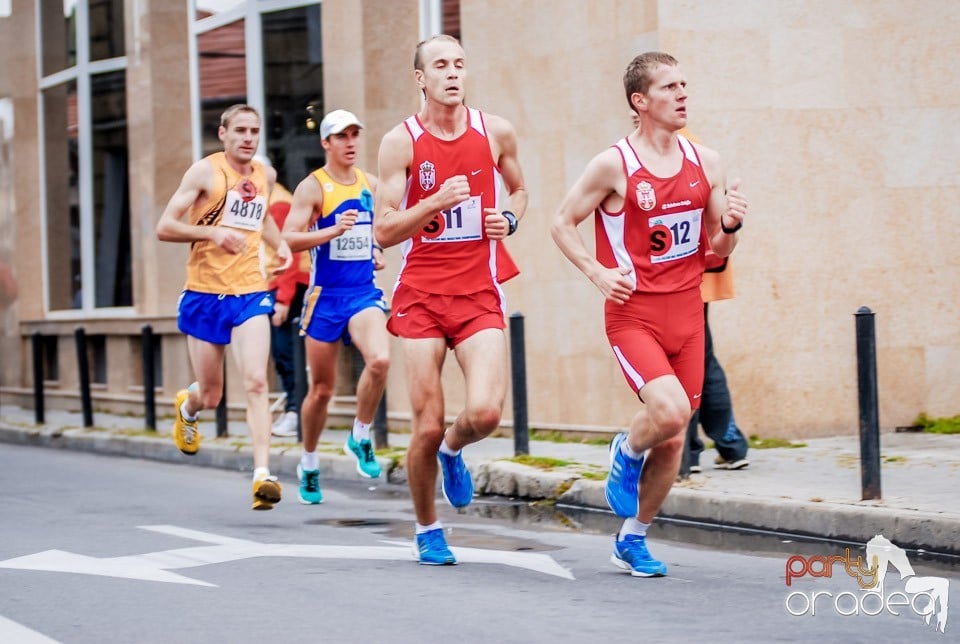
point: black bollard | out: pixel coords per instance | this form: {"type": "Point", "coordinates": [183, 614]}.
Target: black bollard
{"type": "Point", "coordinates": [37, 345]}
{"type": "Point", "coordinates": [221, 416]}
{"type": "Point", "coordinates": [869, 414]}
{"type": "Point", "coordinates": [299, 374]}
{"type": "Point", "coordinates": [381, 430]}
{"type": "Point", "coordinates": [83, 371]}
{"type": "Point", "coordinates": [149, 384]}
{"type": "Point", "coordinates": [518, 372]}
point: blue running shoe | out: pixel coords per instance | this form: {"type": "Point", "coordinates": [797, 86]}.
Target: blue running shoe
{"type": "Point", "coordinates": [367, 465]}
{"type": "Point", "coordinates": [457, 485]}
{"type": "Point", "coordinates": [632, 554]}
{"type": "Point", "coordinates": [310, 493]}
{"type": "Point", "coordinates": [432, 549]}
{"type": "Point", "coordinates": [623, 482]}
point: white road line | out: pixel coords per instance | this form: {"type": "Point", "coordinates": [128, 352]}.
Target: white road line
{"type": "Point", "coordinates": [10, 631]}
{"type": "Point", "coordinates": [157, 566]}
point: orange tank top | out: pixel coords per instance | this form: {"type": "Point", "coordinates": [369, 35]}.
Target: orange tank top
{"type": "Point", "coordinates": [239, 203]}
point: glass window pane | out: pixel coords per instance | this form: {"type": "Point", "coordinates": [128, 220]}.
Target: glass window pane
{"type": "Point", "coordinates": [292, 79]}
{"type": "Point", "coordinates": [63, 204]}
{"type": "Point", "coordinates": [106, 29]}
{"type": "Point", "coordinates": [58, 24]}
{"type": "Point", "coordinates": [223, 78]}
{"type": "Point", "coordinates": [111, 213]}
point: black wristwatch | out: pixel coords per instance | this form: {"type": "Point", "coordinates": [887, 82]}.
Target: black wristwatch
{"type": "Point", "coordinates": [730, 231]}
{"type": "Point", "coordinates": [511, 219]}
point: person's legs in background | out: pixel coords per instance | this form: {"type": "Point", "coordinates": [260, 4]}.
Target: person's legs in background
{"type": "Point", "coordinates": [716, 412]}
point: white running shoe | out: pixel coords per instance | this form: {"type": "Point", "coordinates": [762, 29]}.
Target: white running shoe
{"type": "Point", "coordinates": [286, 425]}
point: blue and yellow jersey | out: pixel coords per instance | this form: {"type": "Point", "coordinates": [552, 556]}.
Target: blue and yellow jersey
{"type": "Point", "coordinates": [239, 203]}
{"type": "Point", "coordinates": [345, 261]}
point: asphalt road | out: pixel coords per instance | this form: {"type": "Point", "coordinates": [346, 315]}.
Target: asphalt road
{"type": "Point", "coordinates": [106, 549]}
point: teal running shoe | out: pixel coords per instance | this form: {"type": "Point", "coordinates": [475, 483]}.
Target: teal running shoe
{"type": "Point", "coordinates": [457, 485]}
{"type": "Point", "coordinates": [367, 465]}
{"type": "Point", "coordinates": [432, 549]}
{"type": "Point", "coordinates": [310, 493]}
{"type": "Point", "coordinates": [632, 554]}
{"type": "Point", "coordinates": [623, 482]}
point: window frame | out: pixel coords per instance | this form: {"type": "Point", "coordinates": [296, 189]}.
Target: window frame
{"type": "Point", "coordinates": [81, 72]}
{"type": "Point", "coordinates": [250, 12]}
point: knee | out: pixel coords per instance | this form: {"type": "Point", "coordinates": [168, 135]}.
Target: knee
{"type": "Point", "coordinates": [255, 385]}
{"type": "Point", "coordinates": [320, 393]}
{"type": "Point", "coordinates": [378, 366]}
{"type": "Point", "coordinates": [672, 420]}
{"type": "Point", "coordinates": [484, 418]}
{"type": "Point", "coordinates": [672, 447]}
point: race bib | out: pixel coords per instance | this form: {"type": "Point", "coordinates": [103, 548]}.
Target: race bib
{"type": "Point", "coordinates": [674, 236]}
{"type": "Point", "coordinates": [356, 244]}
{"type": "Point", "coordinates": [245, 214]}
{"type": "Point", "coordinates": [463, 222]}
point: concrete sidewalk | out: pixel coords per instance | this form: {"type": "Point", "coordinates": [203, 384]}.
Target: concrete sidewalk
{"type": "Point", "coordinates": [811, 490]}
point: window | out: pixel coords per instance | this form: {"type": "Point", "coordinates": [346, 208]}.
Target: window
{"type": "Point", "coordinates": [87, 262]}
{"type": "Point", "coordinates": [270, 58]}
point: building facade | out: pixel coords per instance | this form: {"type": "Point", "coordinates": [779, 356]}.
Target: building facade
{"type": "Point", "coordinates": [838, 120]}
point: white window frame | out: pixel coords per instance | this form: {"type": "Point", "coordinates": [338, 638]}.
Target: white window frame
{"type": "Point", "coordinates": [250, 11]}
{"type": "Point", "coordinates": [81, 73]}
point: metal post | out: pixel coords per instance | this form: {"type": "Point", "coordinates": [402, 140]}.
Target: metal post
{"type": "Point", "coordinates": [869, 414]}
{"type": "Point", "coordinates": [149, 384]}
{"type": "Point", "coordinates": [83, 370]}
{"type": "Point", "coordinates": [222, 429]}
{"type": "Point", "coordinates": [299, 374]}
{"type": "Point", "coordinates": [37, 345]}
{"type": "Point", "coordinates": [518, 372]}
{"type": "Point", "coordinates": [381, 431]}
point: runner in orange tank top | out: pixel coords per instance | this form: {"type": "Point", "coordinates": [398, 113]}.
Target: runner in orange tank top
{"type": "Point", "coordinates": [660, 201]}
{"type": "Point", "coordinates": [440, 177]}
{"type": "Point", "coordinates": [220, 209]}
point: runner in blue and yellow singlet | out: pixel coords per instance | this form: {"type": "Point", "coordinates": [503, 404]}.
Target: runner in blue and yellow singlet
{"type": "Point", "coordinates": [332, 215]}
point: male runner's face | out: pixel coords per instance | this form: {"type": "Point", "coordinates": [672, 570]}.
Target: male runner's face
{"type": "Point", "coordinates": [667, 96]}
{"type": "Point", "coordinates": [241, 137]}
{"type": "Point", "coordinates": [443, 72]}
{"type": "Point", "coordinates": [342, 148]}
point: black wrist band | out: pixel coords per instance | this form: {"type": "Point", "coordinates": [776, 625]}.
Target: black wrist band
{"type": "Point", "coordinates": [511, 220]}
{"type": "Point", "coordinates": [378, 247]}
{"type": "Point", "coordinates": [730, 231]}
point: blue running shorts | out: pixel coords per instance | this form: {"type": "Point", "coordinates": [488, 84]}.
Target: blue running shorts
{"type": "Point", "coordinates": [211, 318]}
{"type": "Point", "coordinates": [327, 312]}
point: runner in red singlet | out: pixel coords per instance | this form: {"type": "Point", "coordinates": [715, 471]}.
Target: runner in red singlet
{"type": "Point", "coordinates": [442, 174]}
{"type": "Point", "coordinates": [659, 201]}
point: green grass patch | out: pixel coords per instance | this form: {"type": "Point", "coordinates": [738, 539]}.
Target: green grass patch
{"type": "Point", "coordinates": [554, 436]}
{"type": "Point", "coordinates": [949, 425]}
{"type": "Point", "coordinates": [539, 462]}
{"type": "Point", "coordinates": [593, 476]}
{"type": "Point", "coordinates": [894, 459]}
{"type": "Point", "coordinates": [772, 443]}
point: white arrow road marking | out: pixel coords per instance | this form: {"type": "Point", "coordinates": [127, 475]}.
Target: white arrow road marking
{"type": "Point", "coordinates": [10, 631]}
{"type": "Point", "coordinates": [155, 566]}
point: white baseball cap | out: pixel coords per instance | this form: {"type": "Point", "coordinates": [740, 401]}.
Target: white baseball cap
{"type": "Point", "coordinates": [337, 121]}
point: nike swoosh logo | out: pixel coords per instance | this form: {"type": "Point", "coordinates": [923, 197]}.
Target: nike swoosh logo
{"type": "Point", "coordinates": [694, 184]}
{"type": "Point", "coordinates": [475, 173]}
{"type": "Point", "coordinates": [695, 396]}
{"type": "Point", "coordinates": [400, 315]}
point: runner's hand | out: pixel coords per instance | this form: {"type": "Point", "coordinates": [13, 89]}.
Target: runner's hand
{"type": "Point", "coordinates": [229, 240]}
{"type": "Point", "coordinates": [495, 224]}
{"type": "Point", "coordinates": [284, 256]}
{"type": "Point", "coordinates": [614, 284]}
{"type": "Point", "coordinates": [346, 220]}
{"type": "Point", "coordinates": [280, 312]}
{"type": "Point", "coordinates": [452, 191]}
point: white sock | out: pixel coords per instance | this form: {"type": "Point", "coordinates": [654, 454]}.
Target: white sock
{"type": "Point", "coordinates": [187, 415]}
{"type": "Point", "coordinates": [628, 451]}
{"type": "Point", "coordinates": [632, 526]}
{"type": "Point", "coordinates": [260, 473]}
{"type": "Point", "coordinates": [427, 528]}
{"type": "Point", "coordinates": [445, 449]}
{"type": "Point", "coordinates": [361, 431]}
{"type": "Point", "coordinates": [310, 461]}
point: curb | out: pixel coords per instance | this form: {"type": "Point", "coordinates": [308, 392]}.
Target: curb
{"type": "Point", "coordinates": [846, 522]}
